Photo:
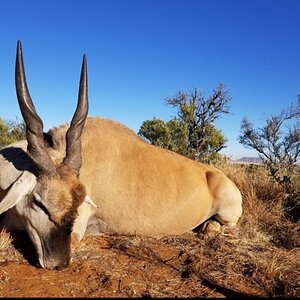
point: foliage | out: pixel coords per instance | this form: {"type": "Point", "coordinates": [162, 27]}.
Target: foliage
{"type": "Point", "coordinates": [192, 132]}
{"type": "Point", "coordinates": [11, 131]}
{"type": "Point", "coordinates": [277, 143]}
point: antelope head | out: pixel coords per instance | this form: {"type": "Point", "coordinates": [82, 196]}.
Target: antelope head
{"type": "Point", "coordinates": [52, 200]}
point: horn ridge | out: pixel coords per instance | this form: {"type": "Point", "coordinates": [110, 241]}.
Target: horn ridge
{"type": "Point", "coordinates": [27, 107]}
{"type": "Point", "coordinates": [34, 124]}
{"type": "Point", "coordinates": [73, 135]}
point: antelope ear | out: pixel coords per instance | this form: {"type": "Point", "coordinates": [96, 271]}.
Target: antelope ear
{"type": "Point", "coordinates": [19, 190]}
{"type": "Point", "coordinates": [88, 200]}
{"type": "Point", "coordinates": [13, 161]}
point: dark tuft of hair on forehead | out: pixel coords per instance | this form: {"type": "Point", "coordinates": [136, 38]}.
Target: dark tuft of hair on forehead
{"type": "Point", "coordinates": [78, 194]}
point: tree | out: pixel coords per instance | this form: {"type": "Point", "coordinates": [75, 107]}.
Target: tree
{"type": "Point", "coordinates": [277, 143]}
{"type": "Point", "coordinates": [171, 135]}
{"type": "Point", "coordinates": [11, 131]}
{"type": "Point", "coordinates": [191, 132]}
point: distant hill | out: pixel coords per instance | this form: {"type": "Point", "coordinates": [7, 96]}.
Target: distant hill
{"type": "Point", "coordinates": [252, 160]}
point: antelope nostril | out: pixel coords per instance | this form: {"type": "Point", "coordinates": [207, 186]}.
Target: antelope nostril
{"type": "Point", "coordinates": [61, 266]}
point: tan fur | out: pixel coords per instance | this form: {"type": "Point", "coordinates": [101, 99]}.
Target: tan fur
{"type": "Point", "coordinates": [125, 186]}
{"type": "Point", "coordinates": [61, 195]}
{"type": "Point", "coordinates": [143, 189]}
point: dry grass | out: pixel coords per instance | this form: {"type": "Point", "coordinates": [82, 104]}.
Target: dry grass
{"type": "Point", "coordinates": [7, 250]}
{"type": "Point", "coordinates": [268, 239]}
{"type": "Point", "coordinates": [5, 240]}
{"type": "Point", "coordinates": [260, 257]}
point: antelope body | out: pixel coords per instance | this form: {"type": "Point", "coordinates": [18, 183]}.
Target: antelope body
{"type": "Point", "coordinates": [97, 175]}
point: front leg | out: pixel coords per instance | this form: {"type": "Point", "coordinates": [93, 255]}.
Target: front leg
{"type": "Point", "coordinates": [80, 224]}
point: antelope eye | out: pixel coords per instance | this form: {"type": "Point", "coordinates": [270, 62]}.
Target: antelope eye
{"type": "Point", "coordinates": [37, 197]}
{"type": "Point", "coordinates": [38, 201]}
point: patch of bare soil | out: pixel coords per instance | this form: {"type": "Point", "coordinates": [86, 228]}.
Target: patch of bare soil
{"type": "Point", "coordinates": [105, 266]}
{"type": "Point", "coordinates": [119, 266]}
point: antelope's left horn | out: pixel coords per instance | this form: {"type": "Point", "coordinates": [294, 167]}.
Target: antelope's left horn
{"type": "Point", "coordinates": [34, 124]}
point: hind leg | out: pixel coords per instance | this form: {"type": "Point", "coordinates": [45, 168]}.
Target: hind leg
{"type": "Point", "coordinates": [228, 199]}
{"type": "Point", "coordinates": [229, 209]}
{"type": "Point", "coordinates": [227, 203]}
{"type": "Point", "coordinates": [228, 215]}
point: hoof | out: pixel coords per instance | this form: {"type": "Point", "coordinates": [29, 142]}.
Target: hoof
{"type": "Point", "coordinates": [211, 228]}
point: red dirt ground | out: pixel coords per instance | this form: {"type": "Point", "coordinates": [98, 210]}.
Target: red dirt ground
{"type": "Point", "coordinates": [109, 266]}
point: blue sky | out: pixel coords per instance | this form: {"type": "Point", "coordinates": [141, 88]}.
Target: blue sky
{"type": "Point", "coordinates": [142, 51]}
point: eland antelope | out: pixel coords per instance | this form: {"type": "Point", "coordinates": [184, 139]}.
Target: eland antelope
{"type": "Point", "coordinates": [97, 175]}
